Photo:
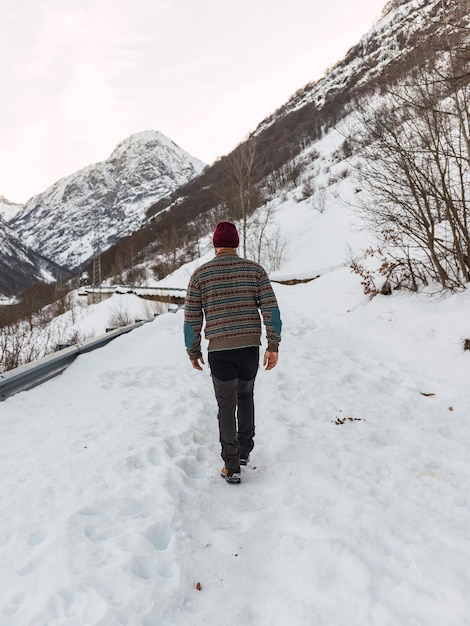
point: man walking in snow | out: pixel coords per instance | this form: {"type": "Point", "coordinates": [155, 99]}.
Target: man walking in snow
{"type": "Point", "coordinates": [230, 292]}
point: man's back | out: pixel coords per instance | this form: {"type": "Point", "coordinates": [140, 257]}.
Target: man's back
{"type": "Point", "coordinates": [231, 291]}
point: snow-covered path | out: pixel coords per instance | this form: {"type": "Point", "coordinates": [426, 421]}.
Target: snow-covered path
{"type": "Point", "coordinates": [355, 507]}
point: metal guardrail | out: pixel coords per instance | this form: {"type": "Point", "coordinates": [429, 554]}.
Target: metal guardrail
{"type": "Point", "coordinates": [37, 372]}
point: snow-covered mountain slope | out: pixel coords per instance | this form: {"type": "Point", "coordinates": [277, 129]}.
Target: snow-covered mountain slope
{"type": "Point", "coordinates": [404, 27]}
{"type": "Point", "coordinates": [20, 266]}
{"type": "Point", "coordinates": [105, 201]}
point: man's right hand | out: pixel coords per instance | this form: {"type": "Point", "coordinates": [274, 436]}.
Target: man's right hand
{"type": "Point", "coordinates": [270, 360]}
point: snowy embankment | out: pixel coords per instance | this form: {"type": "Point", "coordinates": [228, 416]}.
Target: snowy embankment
{"type": "Point", "coordinates": [355, 507]}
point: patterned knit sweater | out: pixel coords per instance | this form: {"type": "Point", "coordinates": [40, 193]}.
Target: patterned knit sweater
{"type": "Point", "coordinates": [230, 292]}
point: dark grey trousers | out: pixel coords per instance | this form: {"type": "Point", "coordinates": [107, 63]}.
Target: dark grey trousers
{"type": "Point", "coordinates": [236, 419]}
{"type": "Point", "coordinates": [233, 376]}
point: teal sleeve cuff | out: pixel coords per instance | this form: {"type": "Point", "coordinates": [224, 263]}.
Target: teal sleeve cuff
{"type": "Point", "coordinates": [189, 336]}
{"type": "Point", "coordinates": [276, 321]}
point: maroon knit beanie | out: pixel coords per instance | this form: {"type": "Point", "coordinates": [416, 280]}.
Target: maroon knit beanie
{"type": "Point", "coordinates": [225, 235]}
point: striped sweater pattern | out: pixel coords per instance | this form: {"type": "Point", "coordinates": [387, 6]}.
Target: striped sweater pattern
{"type": "Point", "coordinates": [230, 292]}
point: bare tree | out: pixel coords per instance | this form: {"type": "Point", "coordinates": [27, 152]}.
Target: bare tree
{"type": "Point", "coordinates": [416, 149]}
{"type": "Point", "coordinates": [265, 243]}
{"type": "Point", "coordinates": [20, 344]}
{"type": "Point", "coordinates": [240, 193]}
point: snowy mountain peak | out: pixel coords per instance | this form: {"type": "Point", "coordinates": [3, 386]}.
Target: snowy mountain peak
{"type": "Point", "coordinates": [101, 203]}
{"type": "Point", "coordinates": [139, 144]}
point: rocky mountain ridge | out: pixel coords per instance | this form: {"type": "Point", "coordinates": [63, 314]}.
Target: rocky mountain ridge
{"type": "Point", "coordinates": [8, 209]}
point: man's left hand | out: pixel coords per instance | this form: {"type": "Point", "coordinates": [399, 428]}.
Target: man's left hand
{"type": "Point", "coordinates": [198, 363]}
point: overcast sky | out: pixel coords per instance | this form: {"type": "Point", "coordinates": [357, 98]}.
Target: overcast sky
{"type": "Point", "coordinates": [79, 76]}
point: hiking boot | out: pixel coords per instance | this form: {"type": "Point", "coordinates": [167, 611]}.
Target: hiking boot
{"type": "Point", "coordinates": [244, 459]}
{"type": "Point", "coordinates": [230, 477]}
